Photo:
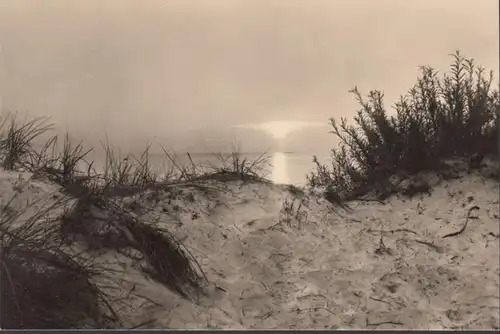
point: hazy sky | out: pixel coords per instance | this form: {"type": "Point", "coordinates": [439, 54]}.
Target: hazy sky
{"type": "Point", "coordinates": [150, 67]}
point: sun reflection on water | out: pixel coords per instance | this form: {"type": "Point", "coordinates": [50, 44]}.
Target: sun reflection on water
{"type": "Point", "coordinates": [280, 168]}
{"type": "Point", "coordinates": [279, 130]}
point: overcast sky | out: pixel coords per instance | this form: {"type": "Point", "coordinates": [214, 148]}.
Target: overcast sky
{"type": "Point", "coordinates": [156, 66]}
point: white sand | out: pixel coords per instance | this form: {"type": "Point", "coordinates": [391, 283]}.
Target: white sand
{"type": "Point", "coordinates": [321, 267]}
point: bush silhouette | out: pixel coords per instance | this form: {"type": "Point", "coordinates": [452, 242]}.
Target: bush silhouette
{"type": "Point", "coordinates": [452, 116]}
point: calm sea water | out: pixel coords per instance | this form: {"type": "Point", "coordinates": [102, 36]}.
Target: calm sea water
{"type": "Point", "coordinates": [290, 168]}
{"type": "Point", "coordinates": [281, 167]}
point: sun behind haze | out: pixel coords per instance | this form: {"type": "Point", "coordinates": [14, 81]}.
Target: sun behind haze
{"type": "Point", "coordinates": [138, 69]}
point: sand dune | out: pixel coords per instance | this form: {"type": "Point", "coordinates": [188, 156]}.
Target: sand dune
{"type": "Point", "coordinates": [276, 258]}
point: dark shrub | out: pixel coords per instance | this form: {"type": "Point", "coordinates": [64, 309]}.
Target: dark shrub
{"type": "Point", "coordinates": [439, 118]}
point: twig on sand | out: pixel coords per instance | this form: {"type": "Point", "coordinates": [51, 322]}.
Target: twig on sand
{"type": "Point", "coordinates": [370, 200]}
{"type": "Point", "coordinates": [315, 309]}
{"type": "Point", "coordinates": [381, 301]}
{"type": "Point", "coordinates": [429, 244]}
{"type": "Point", "coordinates": [465, 225]}
{"type": "Point", "coordinates": [273, 226]}
{"type": "Point", "coordinates": [392, 231]}
{"type": "Point", "coordinates": [383, 323]}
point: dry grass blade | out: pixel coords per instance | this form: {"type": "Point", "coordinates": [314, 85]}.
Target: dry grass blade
{"type": "Point", "coordinates": [170, 263]}
{"type": "Point", "coordinates": [62, 165]}
{"type": "Point", "coordinates": [143, 173]}
{"type": "Point", "coordinates": [16, 142]}
{"type": "Point", "coordinates": [117, 170]}
{"type": "Point", "coordinates": [181, 172]}
{"type": "Point", "coordinates": [70, 159]}
{"type": "Point", "coordinates": [234, 166]}
{"type": "Point", "coordinates": [43, 285]}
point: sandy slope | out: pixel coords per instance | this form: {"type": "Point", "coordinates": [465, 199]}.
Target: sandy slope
{"type": "Point", "coordinates": [378, 265]}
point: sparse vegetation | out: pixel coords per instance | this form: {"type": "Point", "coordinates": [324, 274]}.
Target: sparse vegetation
{"type": "Point", "coordinates": [40, 267]}
{"type": "Point", "coordinates": [235, 166]}
{"type": "Point", "coordinates": [293, 210]}
{"type": "Point", "coordinates": [440, 118]}
{"type": "Point", "coordinates": [43, 285]}
{"type": "Point", "coordinates": [296, 191]}
{"type": "Point", "coordinates": [16, 139]}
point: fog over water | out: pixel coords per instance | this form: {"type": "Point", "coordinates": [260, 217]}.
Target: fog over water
{"type": "Point", "coordinates": [187, 73]}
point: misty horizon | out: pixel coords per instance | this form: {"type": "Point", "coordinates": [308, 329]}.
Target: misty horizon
{"type": "Point", "coordinates": [185, 73]}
